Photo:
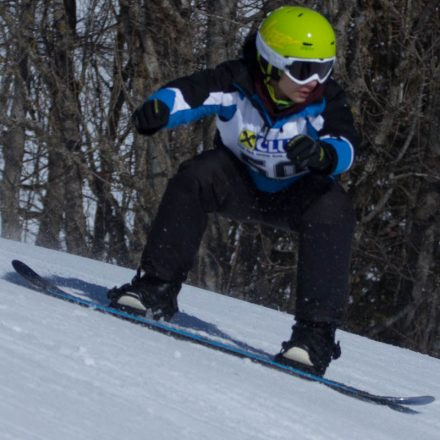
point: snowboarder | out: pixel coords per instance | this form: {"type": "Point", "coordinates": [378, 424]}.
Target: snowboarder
{"type": "Point", "coordinates": [284, 134]}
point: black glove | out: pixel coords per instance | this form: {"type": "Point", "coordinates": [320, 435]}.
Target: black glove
{"type": "Point", "coordinates": [150, 117]}
{"type": "Point", "coordinates": [305, 152]}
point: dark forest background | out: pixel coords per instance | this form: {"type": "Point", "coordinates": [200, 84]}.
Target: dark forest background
{"type": "Point", "coordinates": [76, 177]}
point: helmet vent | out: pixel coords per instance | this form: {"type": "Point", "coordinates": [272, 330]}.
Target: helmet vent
{"type": "Point", "coordinates": [307, 44]}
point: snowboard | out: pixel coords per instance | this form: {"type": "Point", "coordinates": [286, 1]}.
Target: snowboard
{"type": "Point", "coordinates": [401, 404]}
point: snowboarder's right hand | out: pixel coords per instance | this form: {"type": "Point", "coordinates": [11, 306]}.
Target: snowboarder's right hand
{"type": "Point", "coordinates": [316, 155]}
{"type": "Point", "coordinates": [150, 117]}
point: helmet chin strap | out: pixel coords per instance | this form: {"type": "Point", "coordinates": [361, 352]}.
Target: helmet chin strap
{"type": "Point", "coordinates": [271, 73]}
{"type": "Point", "coordinates": [280, 103]}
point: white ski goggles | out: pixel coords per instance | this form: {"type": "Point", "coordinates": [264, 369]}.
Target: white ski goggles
{"type": "Point", "coordinates": [299, 70]}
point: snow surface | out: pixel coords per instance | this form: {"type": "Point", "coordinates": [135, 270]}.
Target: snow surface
{"type": "Point", "coordinates": [72, 373]}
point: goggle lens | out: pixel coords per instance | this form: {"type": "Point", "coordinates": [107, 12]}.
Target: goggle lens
{"type": "Point", "coordinates": [305, 70]}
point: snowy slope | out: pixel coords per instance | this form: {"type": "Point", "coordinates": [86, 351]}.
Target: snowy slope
{"type": "Point", "coordinates": [72, 373]}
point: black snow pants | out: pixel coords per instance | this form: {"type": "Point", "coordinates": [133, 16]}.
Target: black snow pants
{"type": "Point", "coordinates": [216, 182]}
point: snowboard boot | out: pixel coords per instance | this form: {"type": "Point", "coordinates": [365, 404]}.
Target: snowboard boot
{"type": "Point", "coordinates": [311, 347]}
{"type": "Point", "coordinates": [146, 296]}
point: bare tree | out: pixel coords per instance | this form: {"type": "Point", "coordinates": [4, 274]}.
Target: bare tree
{"type": "Point", "coordinates": [63, 200]}
{"type": "Point", "coordinates": [13, 91]}
{"type": "Point", "coordinates": [75, 175]}
{"type": "Point", "coordinates": [390, 67]}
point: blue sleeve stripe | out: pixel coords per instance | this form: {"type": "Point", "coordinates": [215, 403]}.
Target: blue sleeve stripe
{"type": "Point", "coordinates": [185, 114]}
{"type": "Point", "coordinates": [345, 153]}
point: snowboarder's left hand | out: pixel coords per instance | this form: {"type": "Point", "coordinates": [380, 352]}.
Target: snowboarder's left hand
{"type": "Point", "coordinates": [305, 152]}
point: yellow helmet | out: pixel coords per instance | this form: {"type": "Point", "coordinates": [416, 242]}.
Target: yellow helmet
{"type": "Point", "coordinates": [299, 41]}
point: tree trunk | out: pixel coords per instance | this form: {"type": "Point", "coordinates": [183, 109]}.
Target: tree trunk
{"type": "Point", "coordinates": [65, 158]}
